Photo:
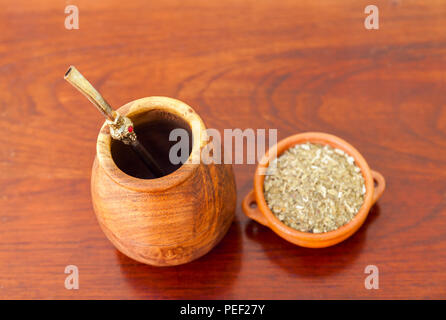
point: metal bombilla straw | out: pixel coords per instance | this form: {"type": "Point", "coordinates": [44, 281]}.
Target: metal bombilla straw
{"type": "Point", "coordinates": [121, 127]}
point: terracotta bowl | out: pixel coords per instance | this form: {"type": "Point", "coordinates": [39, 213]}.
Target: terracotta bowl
{"type": "Point", "coordinates": [255, 207]}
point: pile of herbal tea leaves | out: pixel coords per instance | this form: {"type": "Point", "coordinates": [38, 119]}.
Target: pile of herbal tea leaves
{"type": "Point", "coordinates": [314, 188]}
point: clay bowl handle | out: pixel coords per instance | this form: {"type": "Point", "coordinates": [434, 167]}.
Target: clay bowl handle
{"type": "Point", "coordinates": [251, 208]}
{"type": "Point", "coordinates": [380, 185]}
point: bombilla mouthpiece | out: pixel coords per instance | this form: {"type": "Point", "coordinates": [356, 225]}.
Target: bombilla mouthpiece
{"type": "Point", "coordinates": [77, 80]}
{"type": "Point", "coordinates": [121, 127]}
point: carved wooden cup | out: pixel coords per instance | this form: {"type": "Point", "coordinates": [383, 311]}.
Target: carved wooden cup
{"type": "Point", "coordinates": [170, 220]}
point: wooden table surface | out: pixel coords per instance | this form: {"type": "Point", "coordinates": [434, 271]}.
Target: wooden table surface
{"type": "Point", "coordinates": [292, 65]}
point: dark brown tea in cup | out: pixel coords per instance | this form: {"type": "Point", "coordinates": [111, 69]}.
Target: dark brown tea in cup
{"type": "Point", "coordinates": [153, 130]}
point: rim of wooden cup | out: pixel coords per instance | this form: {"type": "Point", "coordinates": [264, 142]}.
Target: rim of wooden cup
{"type": "Point", "coordinates": [132, 110]}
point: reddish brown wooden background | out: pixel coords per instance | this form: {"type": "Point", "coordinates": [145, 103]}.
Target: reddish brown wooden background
{"type": "Point", "coordinates": [292, 65]}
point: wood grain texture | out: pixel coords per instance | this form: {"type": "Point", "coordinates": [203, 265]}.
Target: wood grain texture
{"type": "Point", "coordinates": [292, 65]}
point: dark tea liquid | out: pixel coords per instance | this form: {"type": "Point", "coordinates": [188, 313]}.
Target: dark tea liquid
{"type": "Point", "coordinates": [154, 135]}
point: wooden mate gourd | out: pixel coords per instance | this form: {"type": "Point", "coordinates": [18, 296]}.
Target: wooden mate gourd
{"type": "Point", "coordinates": [179, 213]}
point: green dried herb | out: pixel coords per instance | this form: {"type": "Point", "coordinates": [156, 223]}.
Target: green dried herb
{"type": "Point", "coordinates": [314, 188]}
